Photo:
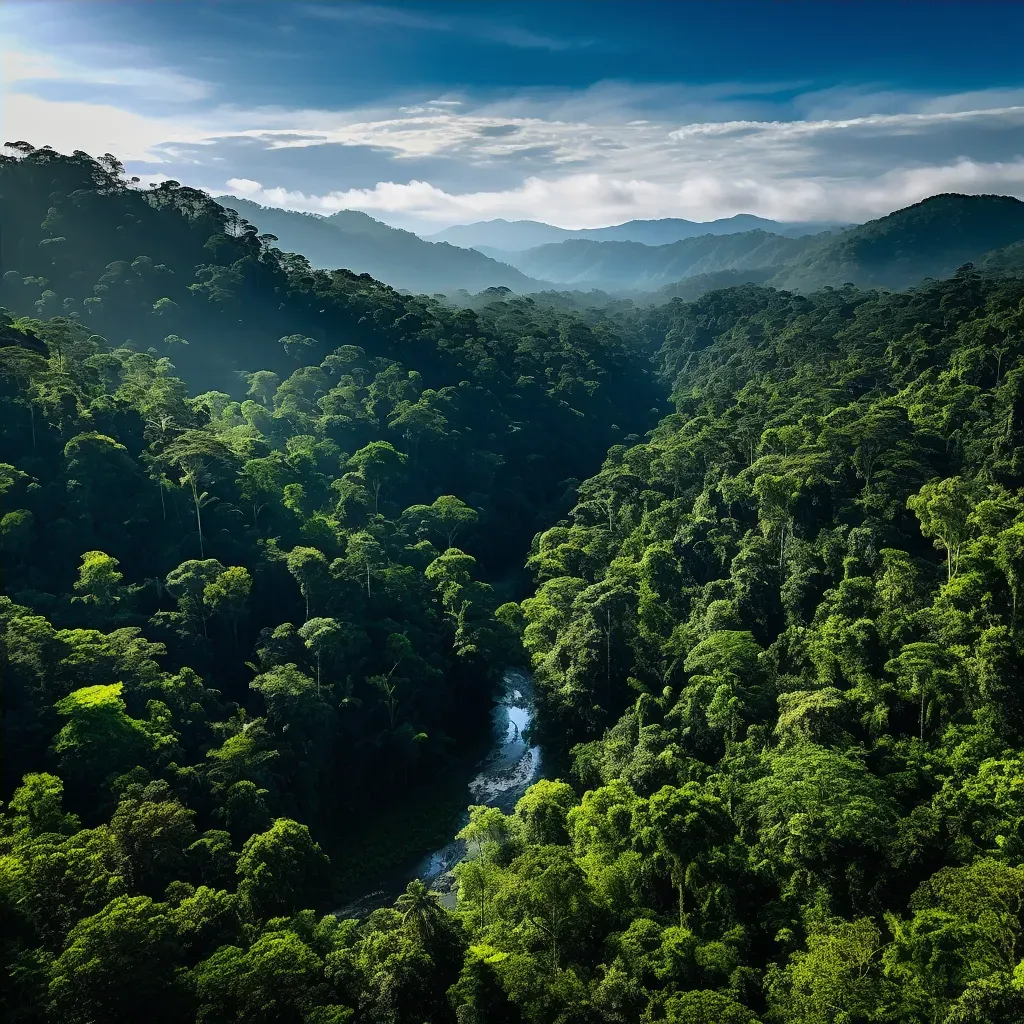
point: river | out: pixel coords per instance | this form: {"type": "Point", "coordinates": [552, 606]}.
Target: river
{"type": "Point", "coordinates": [499, 780]}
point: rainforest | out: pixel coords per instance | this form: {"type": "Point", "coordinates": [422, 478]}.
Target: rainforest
{"type": "Point", "coordinates": [272, 537]}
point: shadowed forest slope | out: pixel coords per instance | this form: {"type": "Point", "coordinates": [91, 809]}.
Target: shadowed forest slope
{"type": "Point", "coordinates": [356, 242]}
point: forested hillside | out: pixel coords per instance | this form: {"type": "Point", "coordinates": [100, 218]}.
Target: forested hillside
{"type": "Point", "coordinates": [929, 239]}
{"type": "Point", "coordinates": [629, 265]}
{"type": "Point", "coordinates": [359, 243]}
{"type": "Point", "coordinates": [776, 640]}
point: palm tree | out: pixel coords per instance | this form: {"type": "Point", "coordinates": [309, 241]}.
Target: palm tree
{"type": "Point", "coordinates": [194, 452]}
{"type": "Point", "coordinates": [421, 912]}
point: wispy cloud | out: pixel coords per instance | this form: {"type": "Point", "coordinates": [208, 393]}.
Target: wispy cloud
{"type": "Point", "coordinates": [578, 158]}
{"type": "Point", "coordinates": [379, 15]}
{"type": "Point", "coordinates": [123, 69]}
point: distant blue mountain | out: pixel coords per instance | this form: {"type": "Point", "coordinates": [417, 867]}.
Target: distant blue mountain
{"type": "Point", "coordinates": [617, 265]}
{"type": "Point", "coordinates": [517, 235]}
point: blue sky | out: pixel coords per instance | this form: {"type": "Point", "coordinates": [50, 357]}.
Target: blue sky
{"type": "Point", "coordinates": [584, 113]}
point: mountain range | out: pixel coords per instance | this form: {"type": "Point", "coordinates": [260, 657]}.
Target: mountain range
{"type": "Point", "coordinates": [359, 243]}
{"type": "Point", "coordinates": [634, 266]}
{"type": "Point", "coordinates": [929, 239]}
{"type": "Point", "coordinates": [516, 235]}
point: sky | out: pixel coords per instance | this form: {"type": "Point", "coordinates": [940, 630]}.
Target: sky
{"type": "Point", "coordinates": [580, 113]}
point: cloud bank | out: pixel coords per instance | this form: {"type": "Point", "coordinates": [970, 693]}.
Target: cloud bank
{"type": "Point", "coordinates": [585, 158]}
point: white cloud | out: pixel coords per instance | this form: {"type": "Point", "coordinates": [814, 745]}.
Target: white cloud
{"type": "Point", "coordinates": [577, 159]}
{"type": "Point", "coordinates": [95, 128]}
{"type": "Point", "coordinates": [99, 66]}
{"type": "Point", "coordinates": [245, 187]}
{"type": "Point", "coordinates": [586, 200]}
{"type": "Point", "coordinates": [893, 123]}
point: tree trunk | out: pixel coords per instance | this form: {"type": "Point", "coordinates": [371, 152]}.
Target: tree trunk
{"type": "Point", "coordinates": [199, 518]}
{"type": "Point", "coordinates": [608, 656]}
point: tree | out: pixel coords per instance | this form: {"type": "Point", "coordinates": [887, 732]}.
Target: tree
{"type": "Point", "coordinates": [421, 912]}
{"type": "Point", "coordinates": [98, 467]}
{"type": "Point", "coordinates": [706, 1007]}
{"type": "Point", "coordinates": [364, 552]}
{"type": "Point", "coordinates": [16, 531]}
{"type": "Point", "coordinates": [293, 705]}
{"type": "Point", "coordinates": [479, 997]}
{"type": "Point", "coordinates": [119, 965]}
{"type": "Point", "coordinates": [38, 806]}
{"type": "Point", "coordinates": [943, 509]}
{"type": "Point", "coordinates": [777, 495]}
{"type": "Point", "coordinates": [331, 637]}
{"type": "Point", "coordinates": [310, 569]}
{"type": "Point", "coordinates": [297, 345]}
{"type": "Point", "coordinates": [99, 582]}
{"type": "Point", "coordinates": [920, 667]}
{"type": "Point", "coordinates": [190, 582]}
{"type": "Point", "coordinates": [260, 481]}
{"type": "Point", "coordinates": [244, 810]}
{"type": "Point", "coordinates": [446, 517]}
{"type": "Point", "coordinates": [836, 978]}
{"type": "Point", "coordinates": [153, 830]}
{"type": "Point", "coordinates": [279, 979]}
{"type": "Point", "coordinates": [196, 454]}
{"type": "Point", "coordinates": [262, 385]}
{"type": "Point", "coordinates": [548, 896]}
{"type": "Point", "coordinates": [280, 870]}
{"type": "Point", "coordinates": [687, 823]}
{"type": "Point", "coordinates": [228, 595]}
{"type": "Point", "coordinates": [543, 810]}
{"type": "Point", "coordinates": [99, 738]}
{"type": "Point", "coordinates": [956, 957]}
{"type": "Point", "coordinates": [1010, 557]}
{"type": "Point", "coordinates": [377, 463]}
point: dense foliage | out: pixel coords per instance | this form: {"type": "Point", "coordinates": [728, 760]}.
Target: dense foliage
{"type": "Point", "coordinates": [233, 620]}
{"type": "Point", "coordinates": [803, 595]}
{"type": "Point", "coordinates": [781, 637]}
